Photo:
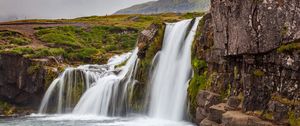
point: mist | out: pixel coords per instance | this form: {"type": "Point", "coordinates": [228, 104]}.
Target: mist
{"type": "Point", "coordinates": [57, 9]}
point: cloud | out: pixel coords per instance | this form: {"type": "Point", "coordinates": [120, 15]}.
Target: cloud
{"type": "Point", "coordinates": [29, 9]}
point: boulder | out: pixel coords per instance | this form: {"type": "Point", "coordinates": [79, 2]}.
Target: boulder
{"type": "Point", "coordinates": [205, 99]}
{"type": "Point", "coordinates": [215, 112]}
{"type": "Point", "coordinates": [233, 103]}
{"type": "Point", "coordinates": [207, 122]}
{"type": "Point", "coordinates": [279, 110]}
{"type": "Point", "coordinates": [236, 118]}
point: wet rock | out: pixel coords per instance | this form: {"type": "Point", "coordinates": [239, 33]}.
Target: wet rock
{"type": "Point", "coordinates": [24, 84]}
{"type": "Point", "coordinates": [145, 38]}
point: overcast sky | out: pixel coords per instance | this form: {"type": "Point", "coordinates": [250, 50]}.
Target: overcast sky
{"type": "Point", "coordinates": [13, 9]}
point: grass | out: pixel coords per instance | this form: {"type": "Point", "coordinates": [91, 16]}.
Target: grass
{"type": "Point", "coordinates": [12, 37]}
{"type": "Point", "coordinates": [98, 38]}
{"type": "Point", "coordinates": [44, 52]}
{"type": "Point", "coordinates": [18, 51]}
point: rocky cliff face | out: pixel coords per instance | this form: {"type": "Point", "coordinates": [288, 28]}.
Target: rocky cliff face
{"type": "Point", "coordinates": [164, 6]}
{"type": "Point", "coordinates": [251, 50]}
{"type": "Point", "coordinates": [23, 81]}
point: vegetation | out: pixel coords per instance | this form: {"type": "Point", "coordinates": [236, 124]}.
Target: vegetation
{"type": "Point", "coordinates": [289, 48]}
{"type": "Point", "coordinates": [6, 108]}
{"type": "Point", "coordinates": [15, 38]}
{"type": "Point", "coordinates": [88, 39]}
{"type": "Point", "coordinates": [293, 120]}
{"type": "Point", "coordinates": [258, 73]}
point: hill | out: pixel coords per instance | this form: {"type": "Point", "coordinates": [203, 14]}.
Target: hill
{"type": "Point", "coordinates": [164, 6]}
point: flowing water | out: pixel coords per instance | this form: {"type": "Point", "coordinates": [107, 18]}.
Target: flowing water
{"type": "Point", "coordinates": [99, 95]}
{"type": "Point", "coordinates": [172, 71]}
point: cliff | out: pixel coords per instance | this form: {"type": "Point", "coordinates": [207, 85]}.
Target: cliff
{"type": "Point", "coordinates": [164, 6]}
{"type": "Point", "coordinates": [247, 52]}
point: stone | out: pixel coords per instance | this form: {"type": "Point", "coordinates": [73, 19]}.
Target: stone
{"type": "Point", "coordinates": [236, 118]}
{"type": "Point", "coordinates": [241, 37]}
{"type": "Point", "coordinates": [145, 38]}
{"type": "Point", "coordinates": [207, 99]}
{"type": "Point", "coordinates": [233, 103]}
{"type": "Point", "coordinates": [19, 85]}
{"type": "Point", "coordinates": [279, 110]}
{"type": "Point", "coordinates": [200, 114]}
{"type": "Point", "coordinates": [207, 122]}
{"type": "Point", "coordinates": [215, 112]}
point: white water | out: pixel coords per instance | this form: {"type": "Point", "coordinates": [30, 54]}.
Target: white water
{"type": "Point", "coordinates": [97, 82]}
{"type": "Point", "coordinates": [107, 97]}
{"type": "Point", "coordinates": [172, 71]}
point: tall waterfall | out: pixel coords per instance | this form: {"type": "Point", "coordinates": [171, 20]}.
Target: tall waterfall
{"type": "Point", "coordinates": [172, 71]}
{"type": "Point", "coordinates": [104, 88]}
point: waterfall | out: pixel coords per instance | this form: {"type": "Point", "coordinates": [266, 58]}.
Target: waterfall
{"type": "Point", "coordinates": [172, 71]}
{"type": "Point", "coordinates": [100, 86]}
{"type": "Point", "coordinates": [106, 90]}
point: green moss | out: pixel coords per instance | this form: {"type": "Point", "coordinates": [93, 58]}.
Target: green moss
{"type": "Point", "coordinates": [258, 73]}
{"type": "Point", "coordinates": [264, 115]}
{"type": "Point", "coordinates": [235, 72]}
{"type": "Point", "coordinates": [34, 68]}
{"type": "Point", "coordinates": [50, 76]}
{"type": "Point", "coordinates": [289, 48]}
{"type": "Point", "coordinates": [225, 92]}
{"type": "Point", "coordinates": [276, 97]}
{"type": "Point", "coordinates": [7, 109]}
{"type": "Point", "coordinates": [197, 83]}
{"type": "Point", "coordinates": [293, 120]}
{"type": "Point", "coordinates": [199, 64]}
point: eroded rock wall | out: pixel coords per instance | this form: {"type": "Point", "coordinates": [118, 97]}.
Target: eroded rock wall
{"type": "Point", "coordinates": [251, 48]}
{"type": "Point", "coordinates": [23, 81]}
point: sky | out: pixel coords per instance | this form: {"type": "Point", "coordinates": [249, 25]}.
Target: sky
{"type": "Point", "coordinates": [32, 9]}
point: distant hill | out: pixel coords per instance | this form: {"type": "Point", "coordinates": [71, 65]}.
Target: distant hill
{"type": "Point", "coordinates": [162, 6]}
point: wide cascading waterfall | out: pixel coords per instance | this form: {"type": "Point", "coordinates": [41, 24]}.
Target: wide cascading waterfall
{"type": "Point", "coordinates": [110, 93]}
{"type": "Point", "coordinates": [172, 71]}
{"type": "Point", "coordinates": [104, 88]}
